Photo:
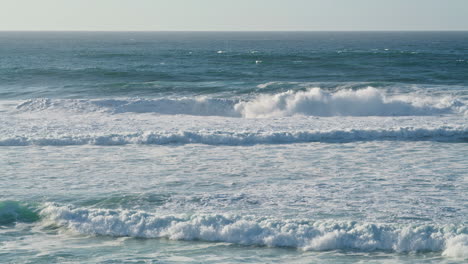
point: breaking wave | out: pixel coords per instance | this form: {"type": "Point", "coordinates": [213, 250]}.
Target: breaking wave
{"type": "Point", "coordinates": [451, 240]}
{"type": "Point", "coordinates": [443, 134]}
{"type": "Point", "coordinates": [364, 102]}
{"type": "Point", "coordinates": [312, 102]}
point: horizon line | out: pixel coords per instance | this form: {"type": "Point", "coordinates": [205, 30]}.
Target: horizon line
{"type": "Point", "coordinates": [227, 31]}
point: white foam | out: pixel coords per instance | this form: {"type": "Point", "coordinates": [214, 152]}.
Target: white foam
{"type": "Point", "coordinates": [250, 230]}
{"type": "Point", "coordinates": [457, 247]}
{"type": "Point", "coordinates": [364, 102]}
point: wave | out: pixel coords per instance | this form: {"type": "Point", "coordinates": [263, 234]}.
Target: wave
{"type": "Point", "coordinates": [442, 134]}
{"type": "Point", "coordinates": [263, 231]}
{"type": "Point", "coordinates": [164, 106]}
{"type": "Point", "coordinates": [363, 102]}
{"type": "Point", "coordinates": [13, 211]}
{"type": "Point", "coordinates": [311, 102]}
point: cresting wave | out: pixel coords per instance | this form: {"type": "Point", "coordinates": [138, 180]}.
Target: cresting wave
{"type": "Point", "coordinates": [311, 102]}
{"type": "Point", "coordinates": [323, 235]}
{"type": "Point", "coordinates": [443, 134]}
{"type": "Point", "coordinates": [363, 102]}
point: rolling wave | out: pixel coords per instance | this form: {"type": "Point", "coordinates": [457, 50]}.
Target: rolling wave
{"type": "Point", "coordinates": [311, 102]}
{"type": "Point", "coordinates": [444, 134]}
{"type": "Point", "coordinates": [363, 102]}
{"type": "Point", "coordinates": [451, 240]}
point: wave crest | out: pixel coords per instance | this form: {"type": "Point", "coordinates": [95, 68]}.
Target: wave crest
{"type": "Point", "coordinates": [363, 102]}
{"type": "Point", "coordinates": [250, 230]}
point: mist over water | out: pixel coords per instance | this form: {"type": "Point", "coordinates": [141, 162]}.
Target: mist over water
{"type": "Point", "coordinates": [233, 147]}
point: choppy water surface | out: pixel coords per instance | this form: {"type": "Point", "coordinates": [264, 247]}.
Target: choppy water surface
{"type": "Point", "coordinates": [233, 147]}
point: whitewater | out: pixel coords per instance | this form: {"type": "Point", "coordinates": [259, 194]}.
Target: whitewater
{"type": "Point", "coordinates": [288, 117]}
{"type": "Point", "coordinates": [236, 147]}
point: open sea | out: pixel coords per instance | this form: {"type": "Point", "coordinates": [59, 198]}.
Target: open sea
{"type": "Point", "coordinates": [216, 147]}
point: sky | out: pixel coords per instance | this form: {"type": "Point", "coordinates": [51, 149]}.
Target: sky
{"type": "Point", "coordinates": [233, 15]}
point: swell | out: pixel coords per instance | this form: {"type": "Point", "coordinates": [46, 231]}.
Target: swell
{"type": "Point", "coordinates": [311, 102]}
{"type": "Point", "coordinates": [442, 134]}
{"type": "Point", "coordinates": [451, 240]}
{"type": "Point", "coordinates": [165, 106]}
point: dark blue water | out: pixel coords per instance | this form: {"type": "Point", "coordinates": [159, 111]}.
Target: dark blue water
{"type": "Point", "coordinates": [95, 64]}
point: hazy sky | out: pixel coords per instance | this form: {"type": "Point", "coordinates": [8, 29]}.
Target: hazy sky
{"type": "Point", "coordinates": [233, 15]}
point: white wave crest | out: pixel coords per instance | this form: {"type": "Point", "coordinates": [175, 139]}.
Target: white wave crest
{"type": "Point", "coordinates": [444, 134]}
{"type": "Point", "coordinates": [364, 102]}
{"type": "Point", "coordinates": [312, 102]}
{"type": "Point", "coordinates": [249, 230]}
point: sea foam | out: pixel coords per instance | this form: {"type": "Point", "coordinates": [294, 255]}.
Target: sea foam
{"type": "Point", "coordinates": [262, 231]}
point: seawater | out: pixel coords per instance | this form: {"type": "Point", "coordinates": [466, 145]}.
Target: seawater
{"type": "Point", "coordinates": [217, 147]}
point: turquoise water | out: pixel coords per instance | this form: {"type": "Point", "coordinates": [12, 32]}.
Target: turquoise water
{"type": "Point", "coordinates": [262, 147]}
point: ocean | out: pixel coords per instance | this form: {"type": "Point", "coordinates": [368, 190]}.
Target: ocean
{"type": "Point", "coordinates": [233, 147]}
